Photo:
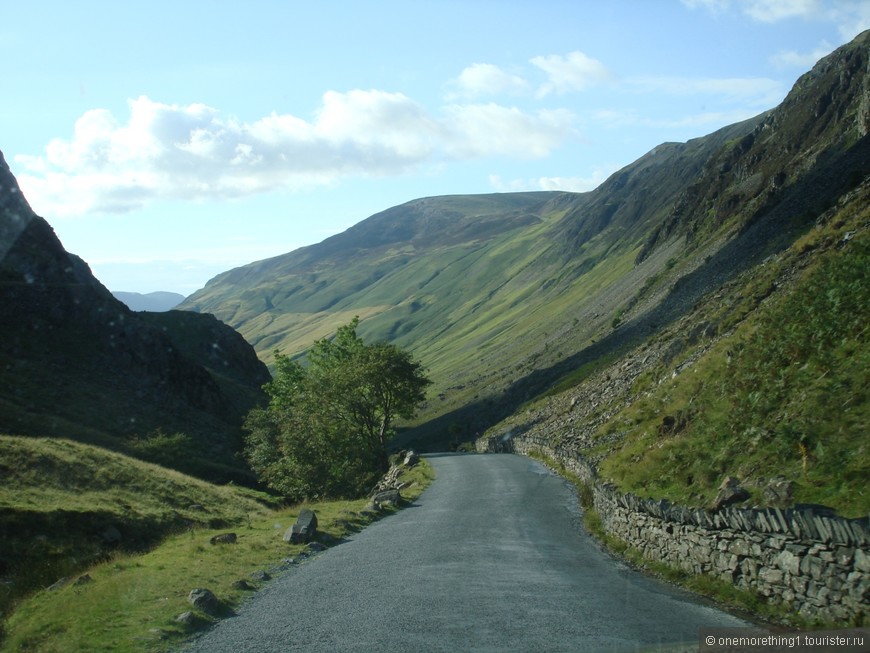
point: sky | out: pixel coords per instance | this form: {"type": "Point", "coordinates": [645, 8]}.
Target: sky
{"type": "Point", "coordinates": [166, 142]}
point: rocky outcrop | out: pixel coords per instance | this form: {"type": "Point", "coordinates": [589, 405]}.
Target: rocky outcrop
{"type": "Point", "coordinates": [76, 362]}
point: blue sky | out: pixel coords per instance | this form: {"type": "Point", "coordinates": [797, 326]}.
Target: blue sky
{"type": "Point", "coordinates": [166, 142]}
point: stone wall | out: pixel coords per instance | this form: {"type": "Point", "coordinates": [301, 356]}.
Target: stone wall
{"type": "Point", "coordinates": [810, 559]}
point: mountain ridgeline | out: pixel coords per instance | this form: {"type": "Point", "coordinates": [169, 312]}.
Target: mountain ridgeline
{"type": "Point", "coordinates": [152, 301]}
{"type": "Point", "coordinates": [507, 296]}
{"type": "Point", "coordinates": [77, 363]}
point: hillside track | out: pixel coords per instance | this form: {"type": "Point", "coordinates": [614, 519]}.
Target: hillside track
{"type": "Point", "coordinates": [492, 557]}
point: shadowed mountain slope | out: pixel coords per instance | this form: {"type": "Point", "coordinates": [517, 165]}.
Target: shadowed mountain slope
{"type": "Point", "coordinates": [77, 363]}
{"type": "Point", "coordinates": [503, 295]}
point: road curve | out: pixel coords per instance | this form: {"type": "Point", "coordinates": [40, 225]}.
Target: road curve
{"type": "Point", "coordinates": [490, 558]}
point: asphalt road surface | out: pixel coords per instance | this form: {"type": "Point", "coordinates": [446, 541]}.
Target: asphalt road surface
{"type": "Point", "coordinates": [491, 557]}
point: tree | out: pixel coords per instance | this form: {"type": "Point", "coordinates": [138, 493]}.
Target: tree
{"type": "Point", "coordinates": [327, 425]}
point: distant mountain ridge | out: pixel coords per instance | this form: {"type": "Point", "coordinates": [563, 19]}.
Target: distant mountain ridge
{"type": "Point", "coordinates": [500, 294]}
{"type": "Point", "coordinates": [153, 301]}
{"type": "Point", "coordinates": [76, 363]}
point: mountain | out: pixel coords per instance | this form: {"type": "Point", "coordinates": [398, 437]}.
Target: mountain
{"type": "Point", "coordinates": [506, 296]}
{"type": "Point", "coordinates": [481, 287]}
{"type": "Point", "coordinates": [77, 363]}
{"type": "Point", "coordinates": [152, 301]}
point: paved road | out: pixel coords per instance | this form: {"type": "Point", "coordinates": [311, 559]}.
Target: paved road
{"type": "Point", "coordinates": [490, 558]}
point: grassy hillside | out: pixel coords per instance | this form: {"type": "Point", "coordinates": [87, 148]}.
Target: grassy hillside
{"type": "Point", "coordinates": [765, 379]}
{"type": "Point", "coordinates": [132, 539]}
{"type": "Point", "coordinates": [785, 394]}
{"type": "Point", "coordinates": [482, 289]}
{"type": "Point", "coordinates": [65, 504]}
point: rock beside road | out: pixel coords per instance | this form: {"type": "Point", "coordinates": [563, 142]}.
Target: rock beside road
{"type": "Point", "coordinates": [304, 529]}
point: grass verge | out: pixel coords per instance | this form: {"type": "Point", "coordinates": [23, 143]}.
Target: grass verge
{"type": "Point", "coordinates": [130, 602]}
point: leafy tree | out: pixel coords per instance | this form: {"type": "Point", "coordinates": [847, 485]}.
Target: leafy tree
{"type": "Point", "coordinates": [325, 430]}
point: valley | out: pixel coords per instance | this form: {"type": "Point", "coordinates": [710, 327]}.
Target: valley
{"type": "Point", "coordinates": [695, 324]}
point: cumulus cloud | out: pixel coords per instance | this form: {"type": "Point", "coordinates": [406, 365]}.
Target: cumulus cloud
{"type": "Point", "coordinates": [485, 80]}
{"type": "Point", "coordinates": [193, 152]}
{"type": "Point", "coordinates": [575, 71]}
{"type": "Point", "coordinates": [479, 130]}
{"type": "Point", "coordinates": [851, 17]}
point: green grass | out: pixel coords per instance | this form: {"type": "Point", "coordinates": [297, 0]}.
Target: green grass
{"type": "Point", "coordinates": [59, 496]}
{"type": "Point", "coordinates": [785, 395]}
{"type": "Point", "coordinates": [133, 597]}
{"type": "Point", "coordinates": [473, 306]}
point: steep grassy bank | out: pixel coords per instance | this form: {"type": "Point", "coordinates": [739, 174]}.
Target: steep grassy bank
{"type": "Point", "coordinates": [124, 596]}
{"type": "Point", "coordinates": [785, 395]}
{"type": "Point", "coordinates": [765, 380]}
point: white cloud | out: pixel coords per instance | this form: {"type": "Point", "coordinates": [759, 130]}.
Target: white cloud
{"type": "Point", "coordinates": [703, 120]}
{"type": "Point", "coordinates": [480, 130]}
{"type": "Point", "coordinates": [712, 5]}
{"type": "Point", "coordinates": [574, 72]}
{"type": "Point", "coordinates": [802, 61]}
{"type": "Point", "coordinates": [771, 11]}
{"type": "Point", "coordinates": [766, 11]}
{"type": "Point", "coordinates": [568, 184]}
{"type": "Point", "coordinates": [851, 16]}
{"type": "Point", "coordinates": [483, 79]}
{"type": "Point", "coordinates": [750, 91]}
{"type": "Point", "coordinates": [192, 152]}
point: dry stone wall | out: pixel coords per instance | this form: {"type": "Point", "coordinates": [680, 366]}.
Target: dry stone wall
{"type": "Point", "coordinates": [808, 558]}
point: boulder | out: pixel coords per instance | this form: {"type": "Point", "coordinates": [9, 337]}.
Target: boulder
{"type": "Point", "coordinates": [779, 492]}
{"type": "Point", "coordinates": [389, 497]}
{"type": "Point", "coordinates": [203, 599]}
{"type": "Point", "coordinates": [730, 492]}
{"type": "Point", "coordinates": [411, 459]}
{"type": "Point", "coordinates": [186, 618]}
{"type": "Point", "coordinates": [304, 529]}
{"type": "Point", "coordinates": [224, 538]}
{"type": "Point", "coordinates": [243, 585]}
